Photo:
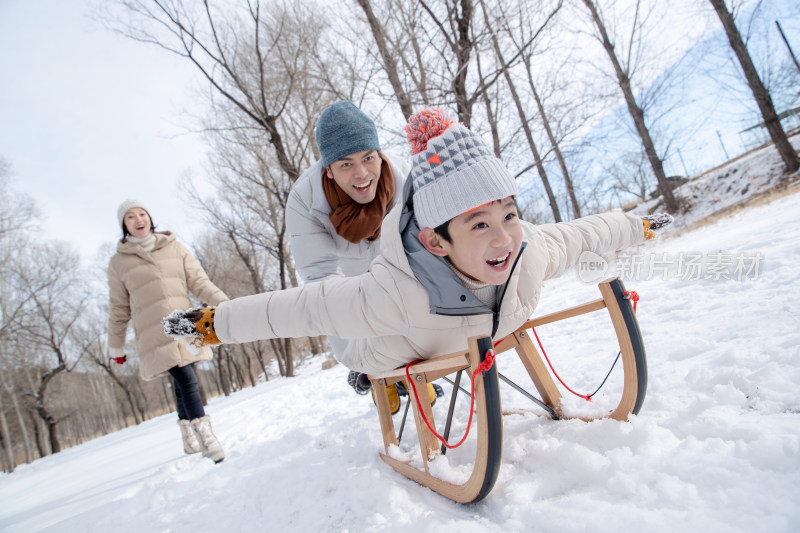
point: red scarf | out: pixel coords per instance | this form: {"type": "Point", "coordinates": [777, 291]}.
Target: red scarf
{"type": "Point", "coordinates": [354, 221]}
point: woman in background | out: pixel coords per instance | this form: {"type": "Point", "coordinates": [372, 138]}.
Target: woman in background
{"type": "Point", "coordinates": [150, 276]}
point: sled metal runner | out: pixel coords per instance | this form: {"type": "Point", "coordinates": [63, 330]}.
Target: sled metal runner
{"type": "Point", "coordinates": [488, 420]}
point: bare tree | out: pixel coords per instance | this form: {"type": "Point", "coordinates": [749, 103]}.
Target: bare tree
{"type": "Point", "coordinates": [48, 279]}
{"type": "Point", "coordinates": [247, 54]}
{"type": "Point", "coordinates": [760, 93]}
{"type": "Point", "coordinates": [388, 58]}
{"type": "Point", "coordinates": [427, 50]}
{"type": "Point", "coordinates": [634, 109]}
{"type": "Point", "coordinates": [505, 67]}
{"type": "Point", "coordinates": [18, 214]}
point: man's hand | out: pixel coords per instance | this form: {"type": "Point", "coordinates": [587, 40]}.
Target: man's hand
{"type": "Point", "coordinates": [195, 325]}
{"type": "Point", "coordinates": [655, 222]}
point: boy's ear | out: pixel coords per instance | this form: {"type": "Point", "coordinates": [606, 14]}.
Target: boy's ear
{"type": "Point", "coordinates": [326, 172]}
{"type": "Point", "coordinates": [432, 242]}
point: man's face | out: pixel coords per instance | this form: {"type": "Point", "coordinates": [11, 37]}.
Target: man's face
{"type": "Point", "coordinates": [357, 175]}
{"type": "Point", "coordinates": [485, 241]}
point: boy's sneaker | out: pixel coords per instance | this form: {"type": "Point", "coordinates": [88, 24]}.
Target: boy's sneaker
{"type": "Point", "coordinates": [434, 391]}
{"type": "Point", "coordinates": [394, 398]}
{"type": "Point", "coordinates": [401, 388]}
{"type": "Point", "coordinates": [359, 382]}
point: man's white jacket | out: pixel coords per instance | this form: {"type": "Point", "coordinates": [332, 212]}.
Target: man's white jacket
{"type": "Point", "coordinates": [318, 251]}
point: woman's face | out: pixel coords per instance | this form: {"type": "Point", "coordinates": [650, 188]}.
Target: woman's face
{"type": "Point", "coordinates": [137, 222]}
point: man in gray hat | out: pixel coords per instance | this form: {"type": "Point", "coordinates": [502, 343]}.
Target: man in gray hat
{"type": "Point", "coordinates": [336, 207]}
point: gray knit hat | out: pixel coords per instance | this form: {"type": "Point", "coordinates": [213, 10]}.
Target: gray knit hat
{"type": "Point", "coordinates": [126, 206]}
{"type": "Point", "coordinates": [452, 170]}
{"type": "Point", "coordinates": [344, 129]}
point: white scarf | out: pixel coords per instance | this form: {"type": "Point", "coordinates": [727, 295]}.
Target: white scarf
{"type": "Point", "coordinates": [148, 243]}
{"type": "Point", "coordinates": [484, 292]}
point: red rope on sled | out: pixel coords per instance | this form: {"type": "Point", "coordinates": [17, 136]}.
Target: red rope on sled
{"type": "Point", "coordinates": [485, 365]}
{"type": "Point", "coordinates": [584, 396]}
{"type": "Point", "coordinates": [629, 295]}
{"type": "Point", "coordinates": [632, 296]}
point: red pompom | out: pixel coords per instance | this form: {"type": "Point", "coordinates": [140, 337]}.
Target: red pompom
{"type": "Point", "coordinates": [425, 125]}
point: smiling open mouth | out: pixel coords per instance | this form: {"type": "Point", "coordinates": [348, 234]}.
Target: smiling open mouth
{"type": "Point", "coordinates": [499, 261]}
{"type": "Point", "coordinates": [363, 188]}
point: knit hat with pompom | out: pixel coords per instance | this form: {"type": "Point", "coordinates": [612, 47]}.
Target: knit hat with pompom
{"type": "Point", "coordinates": [452, 170]}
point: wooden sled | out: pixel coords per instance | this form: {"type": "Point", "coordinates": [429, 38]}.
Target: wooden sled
{"type": "Point", "coordinates": [488, 421]}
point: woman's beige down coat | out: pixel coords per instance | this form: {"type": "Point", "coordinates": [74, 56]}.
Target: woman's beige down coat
{"type": "Point", "coordinates": [145, 287]}
{"type": "Point", "coordinates": [386, 312]}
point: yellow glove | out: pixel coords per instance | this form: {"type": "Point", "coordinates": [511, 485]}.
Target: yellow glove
{"type": "Point", "coordinates": [655, 222]}
{"type": "Point", "coordinates": [195, 325]}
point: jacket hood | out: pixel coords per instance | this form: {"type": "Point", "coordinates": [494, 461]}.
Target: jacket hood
{"type": "Point", "coordinates": [447, 293]}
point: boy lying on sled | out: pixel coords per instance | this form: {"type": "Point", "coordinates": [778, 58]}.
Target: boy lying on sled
{"type": "Point", "coordinates": [456, 261]}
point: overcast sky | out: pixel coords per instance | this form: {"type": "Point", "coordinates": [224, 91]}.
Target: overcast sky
{"type": "Point", "coordinates": [90, 118]}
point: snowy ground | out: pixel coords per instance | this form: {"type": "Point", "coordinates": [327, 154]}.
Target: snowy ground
{"type": "Point", "coordinates": [716, 446]}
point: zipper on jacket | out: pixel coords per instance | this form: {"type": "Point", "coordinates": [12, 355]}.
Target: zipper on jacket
{"type": "Point", "coordinates": [496, 310]}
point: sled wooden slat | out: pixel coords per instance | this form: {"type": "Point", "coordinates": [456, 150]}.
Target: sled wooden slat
{"type": "Point", "coordinates": [488, 420]}
{"type": "Point", "coordinates": [488, 424]}
{"type": "Point", "coordinates": [384, 412]}
{"type": "Point", "coordinates": [428, 443]}
{"type": "Point", "coordinates": [537, 370]}
{"type": "Point", "coordinates": [578, 310]}
{"type": "Point", "coordinates": [633, 358]}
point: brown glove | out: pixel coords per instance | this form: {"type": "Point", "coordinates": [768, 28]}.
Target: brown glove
{"type": "Point", "coordinates": [195, 325]}
{"type": "Point", "coordinates": [655, 222]}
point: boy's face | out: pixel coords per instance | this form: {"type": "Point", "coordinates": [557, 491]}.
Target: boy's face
{"type": "Point", "coordinates": [485, 241]}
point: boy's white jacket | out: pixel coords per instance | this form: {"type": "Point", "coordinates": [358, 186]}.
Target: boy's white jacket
{"type": "Point", "coordinates": [318, 251]}
{"type": "Point", "coordinates": [386, 313]}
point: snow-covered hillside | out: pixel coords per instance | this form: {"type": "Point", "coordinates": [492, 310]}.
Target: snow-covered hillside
{"type": "Point", "coordinates": [716, 446]}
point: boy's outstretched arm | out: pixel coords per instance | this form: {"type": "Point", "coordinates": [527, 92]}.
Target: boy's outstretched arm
{"type": "Point", "coordinates": [355, 307]}
{"type": "Point", "coordinates": [604, 233]}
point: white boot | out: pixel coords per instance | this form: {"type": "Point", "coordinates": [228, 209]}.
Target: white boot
{"type": "Point", "coordinates": [190, 443]}
{"type": "Point", "coordinates": [209, 442]}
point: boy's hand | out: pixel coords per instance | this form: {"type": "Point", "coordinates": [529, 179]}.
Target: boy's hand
{"type": "Point", "coordinates": [655, 222]}
{"type": "Point", "coordinates": [195, 325]}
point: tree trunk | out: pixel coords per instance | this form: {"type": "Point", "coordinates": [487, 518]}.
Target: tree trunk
{"type": "Point", "coordinates": [576, 208]}
{"type": "Point", "coordinates": [26, 439]}
{"type": "Point", "coordinates": [389, 61]}
{"type": "Point", "coordinates": [461, 45]}
{"type": "Point", "coordinates": [760, 92]}
{"type": "Point", "coordinates": [490, 118]}
{"type": "Point", "coordinates": [636, 112]}
{"type": "Point", "coordinates": [41, 409]}
{"type": "Point", "coordinates": [526, 128]}
{"type": "Point", "coordinates": [5, 436]}
{"type": "Point", "coordinates": [128, 394]}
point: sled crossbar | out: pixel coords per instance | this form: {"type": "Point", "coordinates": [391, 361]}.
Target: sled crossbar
{"type": "Point", "coordinates": [488, 424]}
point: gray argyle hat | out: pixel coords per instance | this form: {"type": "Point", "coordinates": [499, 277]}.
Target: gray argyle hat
{"type": "Point", "coordinates": [452, 170]}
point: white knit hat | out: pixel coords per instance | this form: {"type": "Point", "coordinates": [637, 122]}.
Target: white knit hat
{"type": "Point", "coordinates": [126, 206]}
{"type": "Point", "coordinates": [452, 170]}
